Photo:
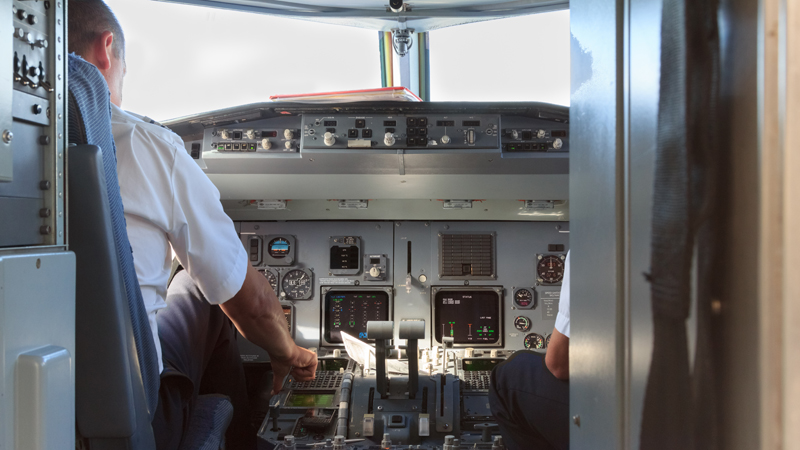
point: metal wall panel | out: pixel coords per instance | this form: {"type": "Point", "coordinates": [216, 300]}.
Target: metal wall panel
{"type": "Point", "coordinates": [596, 359]}
{"type": "Point", "coordinates": [37, 309]}
{"type": "Point", "coordinates": [644, 49]}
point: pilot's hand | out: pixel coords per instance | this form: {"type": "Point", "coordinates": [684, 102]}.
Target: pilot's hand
{"type": "Point", "coordinates": [302, 364]}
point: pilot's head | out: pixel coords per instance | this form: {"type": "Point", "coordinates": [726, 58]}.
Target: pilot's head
{"type": "Point", "coordinates": [96, 35]}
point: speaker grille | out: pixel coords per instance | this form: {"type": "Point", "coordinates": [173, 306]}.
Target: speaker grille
{"type": "Point", "coordinates": [467, 256]}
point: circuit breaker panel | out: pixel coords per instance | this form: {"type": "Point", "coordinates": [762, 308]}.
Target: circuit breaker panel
{"type": "Point", "coordinates": [32, 123]}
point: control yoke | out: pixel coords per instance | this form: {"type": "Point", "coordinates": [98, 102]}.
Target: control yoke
{"type": "Point", "coordinates": [412, 331]}
{"type": "Point", "coordinates": [381, 331]}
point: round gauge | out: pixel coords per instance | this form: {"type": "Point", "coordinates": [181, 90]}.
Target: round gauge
{"type": "Point", "coordinates": [522, 323]}
{"type": "Point", "coordinates": [271, 278]}
{"type": "Point", "coordinates": [278, 247]}
{"type": "Point", "coordinates": [296, 284]}
{"type": "Point", "coordinates": [523, 298]}
{"type": "Point", "coordinates": [547, 341]}
{"type": "Point", "coordinates": [533, 341]}
{"type": "Point", "coordinates": [550, 269]}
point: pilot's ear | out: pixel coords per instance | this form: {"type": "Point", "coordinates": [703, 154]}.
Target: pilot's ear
{"type": "Point", "coordinates": [103, 50]}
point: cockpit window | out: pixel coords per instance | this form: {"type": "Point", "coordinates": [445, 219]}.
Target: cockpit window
{"type": "Point", "coordinates": [516, 59]}
{"type": "Point", "coordinates": [184, 59]}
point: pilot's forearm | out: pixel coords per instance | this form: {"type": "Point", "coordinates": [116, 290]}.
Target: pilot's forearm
{"type": "Point", "coordinates": [257, 314]}
{"type": "Point", "coordinates": [557, 356]}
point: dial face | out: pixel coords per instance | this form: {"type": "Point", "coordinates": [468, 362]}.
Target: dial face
{"type": "Point", "coordinates": [533, 340]}
{"type": "Point", "coordinates": [522, 323]}
{"type": "Point", "coordinates": [271, 278]}
{"type": "Point", "coordinates": [296, 284]}
{"type": "Point", "coordinates": [550, 269]}
{"type": "Point", "coordinates": [278, 247]}
{"type": "Point", "coordinates": [523, 298]}
{"type": "Point", "coordinates": [547, 341]}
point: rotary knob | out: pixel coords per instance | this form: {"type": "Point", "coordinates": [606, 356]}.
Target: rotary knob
{"type": "Point", "coordinates": [515, 134]}
{"type": "Point", "coordinates": [375, 272]}
{"type": "Point", "coordinates": [445, 139]}
{"type": "Point", "coordinates": [225, 134]}
{"type": "Point", "coordinates": [388, 139]}
{"type": "Point", "coordinates": [557, 144]}
{"type": "Point", "coordinates": [250, 134]}
{"type": "Point", "coordinates": [288, 145]}
{"type": "Point", "coordinates": [266, 144]}
{"type": "Point", "coordinates": [540, 134]}
{"type": "Point", "coordinates": [288, 134]}
{"type": "Point", "coordinates": [330, 139]}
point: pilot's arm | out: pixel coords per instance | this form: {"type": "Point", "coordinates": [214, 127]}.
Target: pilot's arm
{"type": "Point", "coordinates": [557, 356]}
{"type": "Point", "coordinates": [257, 314]}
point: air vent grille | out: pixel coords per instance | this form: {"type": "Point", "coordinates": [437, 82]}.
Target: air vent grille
{"type": "Point", "coordinates": [467, 256]}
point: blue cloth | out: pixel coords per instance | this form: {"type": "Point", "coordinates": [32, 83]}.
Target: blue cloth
{"type": "Point", "coordinates": [91, 124]}
{"type": "Point", "coordinates": [530, 404]}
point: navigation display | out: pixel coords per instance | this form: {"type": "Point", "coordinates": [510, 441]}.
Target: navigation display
{"type": "Point", "coordinates": [349, 311]}
{"type": "Point", "coordinates": [468, 316]}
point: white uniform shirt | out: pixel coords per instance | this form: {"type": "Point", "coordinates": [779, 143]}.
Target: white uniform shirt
{"type": "Point", "coordinates": [562, 319]}
{"type": "Point", "coordinates": [169, 201]}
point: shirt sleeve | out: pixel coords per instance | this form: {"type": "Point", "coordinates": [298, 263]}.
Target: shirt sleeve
{"type": "Point", "coordinates": [562, 319]}
{"type": "Point", "coordinates": [203, 237]}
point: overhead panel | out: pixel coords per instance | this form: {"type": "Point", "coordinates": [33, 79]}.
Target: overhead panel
{"type": "Point", "coordinates": [421, 15]}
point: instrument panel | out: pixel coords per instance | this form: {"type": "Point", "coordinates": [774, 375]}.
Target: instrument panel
{"type": "Point", "coordinates": [344, 274]}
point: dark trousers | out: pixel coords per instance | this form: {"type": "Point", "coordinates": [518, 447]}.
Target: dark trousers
{"type": "Point", "coordinates": [530, 404]}
{"type": "Point", "coordinates": [200, 357]}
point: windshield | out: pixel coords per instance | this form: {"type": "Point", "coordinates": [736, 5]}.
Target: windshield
{"type": "Point", "coordinates": [185, 59]}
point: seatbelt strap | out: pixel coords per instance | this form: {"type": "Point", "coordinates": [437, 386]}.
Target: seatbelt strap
{"type": "Point", "coordinates": [681, 201]}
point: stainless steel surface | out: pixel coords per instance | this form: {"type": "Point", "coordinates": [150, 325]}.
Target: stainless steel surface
{"type": "Point", "coordinates": [644, 48]}
{"type": "Point", "coordinates": [6, 81]}
{"type": "Point", "coordinates": [597, 230]}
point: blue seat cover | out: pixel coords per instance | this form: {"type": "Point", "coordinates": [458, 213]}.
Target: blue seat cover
{"type": "Point", "coordinates": [91, 124]}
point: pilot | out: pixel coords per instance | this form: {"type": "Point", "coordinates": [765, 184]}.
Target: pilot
{"type": "Point", "coordinates": [171, 206]}
{"type": "Point", "coordinates": [529, 394]}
